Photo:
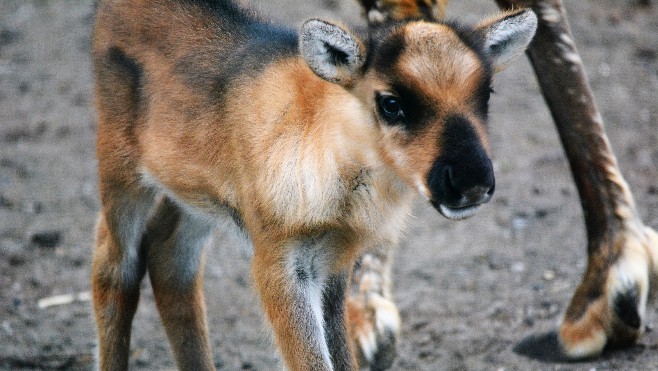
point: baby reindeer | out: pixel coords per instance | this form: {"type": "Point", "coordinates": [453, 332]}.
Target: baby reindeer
{"type": "Point", "coordinates": [314, 142]}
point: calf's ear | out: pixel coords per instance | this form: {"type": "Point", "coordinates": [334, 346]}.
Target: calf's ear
{"type": "Point", "coordinates": [507, 36]}
{"type": "Point", "coordinates": [332, 52]}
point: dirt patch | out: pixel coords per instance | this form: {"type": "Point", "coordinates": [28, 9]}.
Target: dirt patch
{"type": "Point", "coordinates": [468, 291]}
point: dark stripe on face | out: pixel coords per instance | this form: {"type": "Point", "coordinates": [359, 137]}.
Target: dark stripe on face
{"type": "Point", "coordinates": [418, 110]}
{"type": "Point", "coordinates": [474, 40]}
{"type": "Point", "coordinates": [389, 44]}
{"type": "Point", "coordinates": [482, 98]}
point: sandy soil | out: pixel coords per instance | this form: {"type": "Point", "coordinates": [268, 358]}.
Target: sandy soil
{"type": "Point", "coordinates": [468, 291]}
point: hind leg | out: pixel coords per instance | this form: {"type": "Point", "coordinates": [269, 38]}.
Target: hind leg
{"type": "Point", "coordinates": [117, 270]}
{"type": "Point", "coordinates": [608, 306]}
{"type": "Point", "coordinates": [175, 242]}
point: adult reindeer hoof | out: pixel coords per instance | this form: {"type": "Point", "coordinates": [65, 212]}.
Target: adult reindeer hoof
{"type": "Point", "coordinates": [608, 308]}
{"type": "Point", "coordinates": [374, 326]}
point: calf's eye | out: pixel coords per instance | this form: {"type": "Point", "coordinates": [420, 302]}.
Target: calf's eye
{"type": "Point", "coordinates": [390, 107]}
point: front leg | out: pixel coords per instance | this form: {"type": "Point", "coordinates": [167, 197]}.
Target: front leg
{"type": "Point", "coordinates": [333, 304]}
{"type": "Point", "coordinates": [608, 307]}
{"type": "Point", "coordinates": [374, 319]}
{"type": "Point", "coordinates": [291, 277]}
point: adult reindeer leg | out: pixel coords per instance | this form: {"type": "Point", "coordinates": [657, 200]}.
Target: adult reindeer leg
{"type": "Point", "coordinates": [608, 307]}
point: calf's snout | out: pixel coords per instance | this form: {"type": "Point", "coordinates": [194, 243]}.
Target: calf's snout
{"type": "Point", "coordinates": [462, 178]}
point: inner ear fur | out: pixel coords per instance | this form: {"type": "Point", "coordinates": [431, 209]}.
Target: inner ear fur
{"type": "Point", "coordinates": [332, 52]}
{"type": "Point", "coordinates": [507, 35]}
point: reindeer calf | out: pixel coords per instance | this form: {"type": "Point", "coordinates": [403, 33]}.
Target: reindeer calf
{"type": "Point", "coordinates": [314, 142]}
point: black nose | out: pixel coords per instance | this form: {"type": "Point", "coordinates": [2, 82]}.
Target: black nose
{"type": "Point", "coordinates": [460, 188]}
{"type": "Point", "coordinates": [462, 177]}
{"type": "Point", "coordinates": [470, 194]}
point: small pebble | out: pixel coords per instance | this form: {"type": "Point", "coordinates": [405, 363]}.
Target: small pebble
{"type": "Point", "coordinates": [517, 267]}
{"type": "Point", "coordinates": [7, 327]}
{"type": "Point", "coordinates": [548, 275]}
{"type": "Point", "coordinates": [47, 238]}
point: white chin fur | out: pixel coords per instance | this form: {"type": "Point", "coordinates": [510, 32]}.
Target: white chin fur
{"type": "Point", "coordinates": [458, 214]}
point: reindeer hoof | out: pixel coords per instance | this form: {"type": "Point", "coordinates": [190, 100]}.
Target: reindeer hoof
{"type": "Point", "coordinates": [608, 308]}
{"type": "Point", "coordinates": [374, 325]}
{"type": "Point", "coordinates": [543, 347]}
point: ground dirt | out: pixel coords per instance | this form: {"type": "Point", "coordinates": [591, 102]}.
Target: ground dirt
{"type": "Point", "coordinates": [468, 291]}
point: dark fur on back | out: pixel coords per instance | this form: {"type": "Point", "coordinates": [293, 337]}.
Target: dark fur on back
{"type": "Point", "coordinates": [257, 42]}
